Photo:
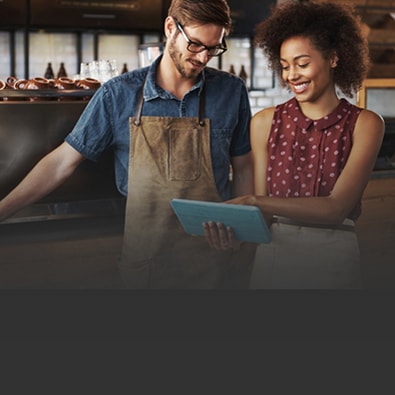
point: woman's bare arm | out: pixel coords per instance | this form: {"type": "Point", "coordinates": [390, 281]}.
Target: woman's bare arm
{"type": "Point", "coordinates": [367, 140]}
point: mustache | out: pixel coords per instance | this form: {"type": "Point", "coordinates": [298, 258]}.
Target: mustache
{"type": "Point", "coordinates": [196, 62]}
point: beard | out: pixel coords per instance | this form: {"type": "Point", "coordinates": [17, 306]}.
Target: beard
{"type": "Point", "coordinates": [181, 64]}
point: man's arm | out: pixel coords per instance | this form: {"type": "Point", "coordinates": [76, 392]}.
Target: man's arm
{"type": "Point", "coordinates": [49, 173]}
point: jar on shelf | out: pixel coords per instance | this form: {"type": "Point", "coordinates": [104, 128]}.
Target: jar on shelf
{"type": "Point", "coordinates": [124, 68]}
{"type": "Point", "coordinates": [49, 74]}
{"type": "Point", "coordinates": [62, 71]}
{"type": "Point", "coordinates": [243, 74]}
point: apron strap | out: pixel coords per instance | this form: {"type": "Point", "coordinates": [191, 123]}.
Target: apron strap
{"type": "Point", "coordinates": [139, 110]}
{"type": "Point", "coordinates": [202, 104]}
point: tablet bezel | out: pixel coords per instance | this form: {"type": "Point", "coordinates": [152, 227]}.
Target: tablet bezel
{"type": "Point", "coordinates": [247, 222]}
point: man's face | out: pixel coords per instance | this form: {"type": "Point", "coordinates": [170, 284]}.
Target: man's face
{"type": "Point", "coordinates": [189, 64]}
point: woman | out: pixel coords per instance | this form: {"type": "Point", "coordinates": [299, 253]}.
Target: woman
{"type": "Point", "coordinates": [313, 155]}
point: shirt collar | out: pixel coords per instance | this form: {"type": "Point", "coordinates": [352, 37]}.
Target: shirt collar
{"type": "Point", "coordinates": [294, 112]}
{"type": "Point", "coordinates": [153, 91]}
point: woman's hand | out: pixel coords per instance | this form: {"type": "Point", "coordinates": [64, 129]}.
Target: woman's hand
{"type": "Point", "coordinates": [220, 237]}
{"type": "Point", "coordinates": [253, 200]}
{"type": "Point", "coordinates": [246, 200]}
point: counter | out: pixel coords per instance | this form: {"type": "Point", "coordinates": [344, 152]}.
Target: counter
{"type": "Point", "coordinates": [31, 129]}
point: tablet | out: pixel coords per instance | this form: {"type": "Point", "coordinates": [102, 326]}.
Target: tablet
{"type": "Point", "coordinates": [247, 222]}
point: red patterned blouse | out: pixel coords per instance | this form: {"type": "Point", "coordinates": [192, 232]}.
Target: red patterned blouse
{"type": "Point", "coordinates": [305, 156]}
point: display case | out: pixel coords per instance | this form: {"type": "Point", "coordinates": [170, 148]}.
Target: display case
{"type": "Point", "coordinates": [31, 129]}
{"type": "Point", "coordinates": [378, 94]}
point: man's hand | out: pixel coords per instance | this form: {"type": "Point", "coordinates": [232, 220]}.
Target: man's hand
{"type": "Point", "coordinates": [220, 237]}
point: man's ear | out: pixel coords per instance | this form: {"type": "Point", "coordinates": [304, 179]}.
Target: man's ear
{"type": "Point", "coordinates": [169, 26]}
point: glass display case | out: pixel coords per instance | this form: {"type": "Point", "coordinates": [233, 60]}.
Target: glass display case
{"type": "Point", "coordinates": [378, 94]}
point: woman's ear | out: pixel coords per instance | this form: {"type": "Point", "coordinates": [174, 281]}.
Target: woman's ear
{"type": "Point", "coordinates": [334, 60]}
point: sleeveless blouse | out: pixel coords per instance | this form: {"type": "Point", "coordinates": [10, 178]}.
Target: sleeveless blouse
{"type": "Point", "coordinates": [307, 156]}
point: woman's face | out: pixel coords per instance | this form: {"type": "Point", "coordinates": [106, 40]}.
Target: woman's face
{"type": "Point", "coordinates": [305, 70]}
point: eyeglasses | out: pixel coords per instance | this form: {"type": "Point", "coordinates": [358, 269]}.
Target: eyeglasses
{"type": "Point", "coordinates": [196, 47]}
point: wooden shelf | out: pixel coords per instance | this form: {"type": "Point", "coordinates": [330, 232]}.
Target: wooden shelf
{"type": "Point", "coordinates": [46, 93]}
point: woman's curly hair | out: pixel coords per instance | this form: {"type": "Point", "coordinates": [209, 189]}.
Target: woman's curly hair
{"type": "Point", "coordinates": [330, 27]}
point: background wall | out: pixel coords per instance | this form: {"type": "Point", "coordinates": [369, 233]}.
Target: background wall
{"type": "Point", "coordinates": [25, 52]}
{"type": "Point", "coordinates": [56, 47]}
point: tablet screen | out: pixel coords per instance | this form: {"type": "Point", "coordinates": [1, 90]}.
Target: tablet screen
{"type": "Point", "coordinates": [247, 222]}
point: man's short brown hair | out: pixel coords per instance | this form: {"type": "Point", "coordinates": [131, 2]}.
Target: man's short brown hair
{"type": "Point", "coordinates": [202, 12]}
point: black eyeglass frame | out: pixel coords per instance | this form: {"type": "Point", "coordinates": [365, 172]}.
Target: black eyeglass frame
{"type": "Point", "coordinates": [220, 47]}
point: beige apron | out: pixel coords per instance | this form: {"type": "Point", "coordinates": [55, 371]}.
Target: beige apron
{"type": "Point", "coordinates": [170, 158]}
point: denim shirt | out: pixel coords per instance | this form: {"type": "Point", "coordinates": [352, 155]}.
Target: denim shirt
{"type": "Point", "coordinates": [104, 123]}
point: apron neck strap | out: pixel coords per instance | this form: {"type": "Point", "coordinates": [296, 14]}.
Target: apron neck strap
{"type": "Point", "coordinates": [202, 104]}
{"type": "Point", "coordinates": [139, 110]}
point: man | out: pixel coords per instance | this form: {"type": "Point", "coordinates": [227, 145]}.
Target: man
{"type": "Point", "coordinates": [175, 127]}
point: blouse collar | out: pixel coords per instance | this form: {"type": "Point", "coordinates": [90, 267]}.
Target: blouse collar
{"type": "Point", "coordinates": [293, 111]}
